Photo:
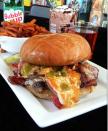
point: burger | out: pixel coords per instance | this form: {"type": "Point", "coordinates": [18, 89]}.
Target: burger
{"type": "Point", "coordinates": [55, 67]}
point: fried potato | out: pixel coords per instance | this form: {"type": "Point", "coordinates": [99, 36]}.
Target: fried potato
{"type": "Point", "coordinates": [15, 29]}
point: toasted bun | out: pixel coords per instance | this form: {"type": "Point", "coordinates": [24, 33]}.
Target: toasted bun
{"type": "Point", "coordinates": [55, 49]}
{"type": "Point", "coordinates": [86, 90]}
{"type": "Point", "coordinates": [47, 94]}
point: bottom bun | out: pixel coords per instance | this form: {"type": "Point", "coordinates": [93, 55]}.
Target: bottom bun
{"type": "Point", "coordinates": [43, 94]}
{"type": "Point", "coordinates": [47, 94]}
{"type": "Point", "coordinates": [86, 90]}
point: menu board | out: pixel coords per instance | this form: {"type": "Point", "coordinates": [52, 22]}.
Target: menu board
{"type": "Point", "coordinates": [13, 10]}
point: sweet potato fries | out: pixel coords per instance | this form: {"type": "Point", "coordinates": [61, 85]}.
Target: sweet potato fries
{"type": "Point", "coordinates": [15, 29]}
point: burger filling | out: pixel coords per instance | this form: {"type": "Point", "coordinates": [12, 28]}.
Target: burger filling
{"type": "Point", "coordinates": [60, 84]}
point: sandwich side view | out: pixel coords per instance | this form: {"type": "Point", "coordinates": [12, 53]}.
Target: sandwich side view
{"type": "Point", "coordinates": [55, 67]}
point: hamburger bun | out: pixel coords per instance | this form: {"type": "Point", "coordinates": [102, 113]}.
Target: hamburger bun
{"type": "Point", "coordinates": [44, 94]}
{"type": "Point", "coordinates": [47, 94]}
{"type": "Point", "coordinates": [55, 49]}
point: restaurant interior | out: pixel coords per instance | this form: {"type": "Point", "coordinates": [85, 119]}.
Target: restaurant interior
{"type": "Point", "coordinates": [53, 17]}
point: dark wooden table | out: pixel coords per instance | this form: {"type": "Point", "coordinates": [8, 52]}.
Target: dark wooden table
{"type": "Point", "coordinates": [13, 117]}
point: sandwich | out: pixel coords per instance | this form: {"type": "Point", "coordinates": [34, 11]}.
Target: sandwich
{"type": "Point", "coordinates": [55, 67]}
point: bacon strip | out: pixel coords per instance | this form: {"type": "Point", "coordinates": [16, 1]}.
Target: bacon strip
{"type": "Point", "coordinates": [17, 80]}
{"type": "Point", "coordinates": [89, 74]}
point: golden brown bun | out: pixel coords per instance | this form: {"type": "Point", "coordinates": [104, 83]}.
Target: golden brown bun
{"type": "Point", "coordinates": [86, 90]}
{"type": "Point", "coordinates": [47, 94]}
{"type": "Point", "coordinates": [55, 49]}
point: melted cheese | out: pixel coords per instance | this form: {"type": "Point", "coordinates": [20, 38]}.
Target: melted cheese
{"type": "Point", "coordinates": [67, 88]}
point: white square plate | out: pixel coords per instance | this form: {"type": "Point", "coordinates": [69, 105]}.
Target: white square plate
{"type": "Point", "coordinates": [12, 44]}
{"type": "Point", "coordinates": [44, 113]}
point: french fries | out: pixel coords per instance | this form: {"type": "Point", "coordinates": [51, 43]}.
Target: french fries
{"type": "Point", "coordinates": [15, 29]}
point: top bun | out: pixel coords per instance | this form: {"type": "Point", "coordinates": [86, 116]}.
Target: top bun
{"type": "Point", "coordinates": [55, 49]}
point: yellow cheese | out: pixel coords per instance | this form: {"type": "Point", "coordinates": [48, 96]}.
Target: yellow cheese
{"type": "Point", "coordinates": [67, 88]}
{"type": "Point", "coordinates": [65, 83]}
